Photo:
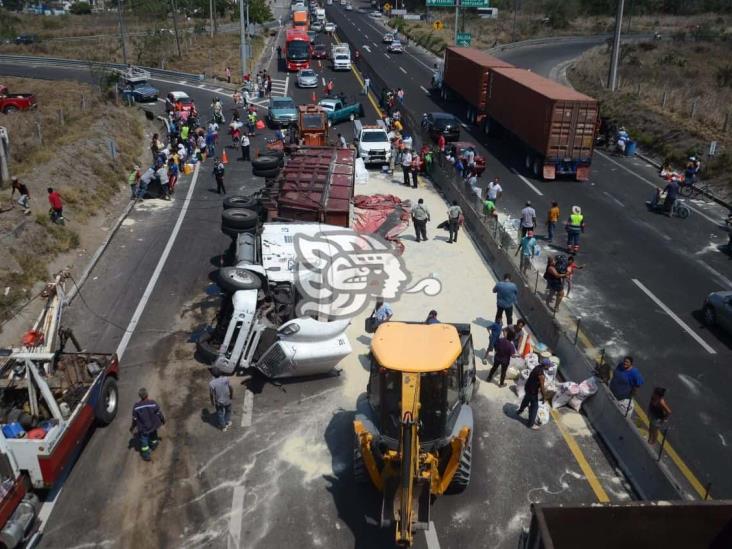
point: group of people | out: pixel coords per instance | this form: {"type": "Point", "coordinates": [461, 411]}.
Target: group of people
{"type": "Point", "coordinates": [56, 210]}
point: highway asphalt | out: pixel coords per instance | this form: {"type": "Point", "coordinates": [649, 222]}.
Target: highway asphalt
{"type": "Point", "coordinates": [150, 297]}
{"type": "Point", "coordinates": [628, 254]}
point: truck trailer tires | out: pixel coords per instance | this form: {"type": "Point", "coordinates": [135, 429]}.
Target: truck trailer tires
{"type": "Point", "coordinates": [106, 407]}
{"type": "Point", "coordinates": [241, 202]}
{"type": "Point", "coordinates": [267, 174]}
{"type": "Point", "coordinates": [239, 218]}
{"type": "Point", "coordinates": [266, 163]}
{"type": "Point", "coordinates": [233, 279]}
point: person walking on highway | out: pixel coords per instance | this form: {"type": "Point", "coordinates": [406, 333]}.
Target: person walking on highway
{"type": "Point", "coordinates": [528, 218]}
{"type": "Point", "coordinates": [505, 349]}
{"type": "Point", "coordinates": [145, 180]}
{"type": "Point", "coordinates": [494, 190]}
{"type": "Point", "coordinates": [534, 385]}
{"type": "Point", "coordinates": [658, 414]}
{"type": "Point", "coordinates": [527, 248]}
{"type": "Point", "coordinates": [57, 206]}
{"type": "Point", "coordinates": [366, 85]}
{"type": "Point", "coordinates": [269, 86]}
{"type": "Point", "coordinates": [279, 52]}
{"type": "Point", "coordinates": [624, 384]}
{"type": "Point", "coordinates": [173, 171]}
{"type": "Point", "coordinates": [245, 144]}
{"type": "Point", "coordinates": [227, 72]}
{"type": "Point", "coordinates": [382, 313]}
{"type": "Point", "coordinates": [147, 418]}
{"type": "Point", "coordinates": [575, 226]}
{"type": "Point", "coordinates": [554, 284]}
{"type": "Point", "coordinates": [506, 297]}
{"type": "Point", "coordinates": [342, 143]}
{"type": "Point", "coordinates": [23, 194]}
{"type": "Point", "coordinates": [552, 219]}
{"type": "Point", "coordinates": [571, 268]}
{"type": "Point", "coordinates": [420, 217]}
{"type": "Point", "coordinates": [454, 214]}
{"type": "Point", "coordinates": [221, 395]}
{"type": "Point", "coordinates": [416, 168]}
{"type": "Point", "coordinates": [400, 96]}
{"type": "Point", "coordinates": [218, 173]}
{"type": "Point", "coordinates": [329, 88]}
{"type": "Point", "coordinates": [494, 332]}
{"type": "Point", "coordinates": [406, 165]}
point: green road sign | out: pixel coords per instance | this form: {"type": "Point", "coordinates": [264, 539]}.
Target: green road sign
{"type": "Point", "coordinates": [463, 39]}
{"type": "Point", "coordinates": [463, 3]}
{"type": "Point", "coordinates": [440, 3]}
{"type": "Point", "coordinates": [474, 3]}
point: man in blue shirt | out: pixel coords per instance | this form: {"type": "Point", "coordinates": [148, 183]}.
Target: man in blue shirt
{"type": "Point", "coordinates": [506, 297]}
{"type": "Point", "coordinates": [146, 420]}
{"type": "Point", "coordinates": [624, 384]}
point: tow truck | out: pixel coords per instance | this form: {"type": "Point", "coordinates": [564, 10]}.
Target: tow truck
{"type": "Point", "coordinates": [49, 401]}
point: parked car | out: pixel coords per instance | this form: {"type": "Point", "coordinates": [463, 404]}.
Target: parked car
{"type": "Point", "coordinates": [461, 147]}
{"type": "Point", "coordinates": [281, 111]}
{"type": "Point", "coordinates": [13, 102]}
{"type": "Point", "coordinates": [307, 78]}
{"type": "Point", "coordinates": [338, 111]}
{"type": "Point", "coordinates": [330, 27]}
{"type": "Point", "coordinates": [376, 14]}
{"type": "Point", "coordinates": [180, 97]}
{"type": "Point", "coordinates": [313, 36]}
{"type": "Point", "coordinates": [395, 47]}
{"type": "Point", "coordinates": [388, 38]}
{"type": "Point", "coordinates": [349, 7]}
{"type": "Point", "coordinates": [319, 52]}
{"type": "Point", "coordinates": [316, 26]}
{"type": "Point", "coordinates": [140, 91]}
{"type": "Point", "coordinates": [26, 39]}
{"type": "Point", "coordinates": [442, 123]}
{"type": "Point", "coordinates": [717, 310]}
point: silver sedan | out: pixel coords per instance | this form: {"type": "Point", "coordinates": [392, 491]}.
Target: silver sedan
{"type": "Point", "coordinates": [306, 78]}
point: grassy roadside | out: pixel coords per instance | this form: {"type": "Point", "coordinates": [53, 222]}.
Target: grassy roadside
{"type": "Point", "coordinates": [674, 98]}
{"type": "Point", "coordinates": [73, 153]}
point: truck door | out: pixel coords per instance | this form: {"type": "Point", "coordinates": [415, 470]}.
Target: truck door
{"type": "Point", "coordinates": [469, 383]}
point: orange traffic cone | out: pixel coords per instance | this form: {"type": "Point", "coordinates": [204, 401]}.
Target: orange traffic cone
{"type": "Point", "coordinates": [224, 157]}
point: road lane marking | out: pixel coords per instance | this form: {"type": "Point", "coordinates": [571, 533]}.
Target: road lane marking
{"type": "Point", "coordinates": [579, 456]}
{"type": "Point", "coordinates": [675, 317]}
{"type": "Point", "coordinates": [179, 81]}
{"type": "Point", "coordinates": [367, 48]}
{"type": "Point", "coordinates": [721, 278]}
{"type": "Point", "coordinates": [218, 90]}
{"type": "Point", "coordinates": [611, 197]}
{"type": "Point", "coordinates": [386, 55]}
{"type": "Point", "coordinates": [402, 69]}
{"type": "Point", "coordinates": [652, 184]}
{"type": "Point", "coordinates": [324, 81]}
{"type": "Point", "coordinates": [287, 83]}
{"type": "Point", "coordinates": [529, 183]}
{"type": "Point", "coordinates": [370, 95]}
{"type": "Point", "coordinates": [425, 90]}
{"type": "Point", "coordinates": [236, 518]}
{"type": "Point", "coordinates": [430, 536]}
{"type": "Point", "coordinates": [247, 409]}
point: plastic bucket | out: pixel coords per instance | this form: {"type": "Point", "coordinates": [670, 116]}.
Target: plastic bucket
{"type": "Point", "coordinates": [630, 148]}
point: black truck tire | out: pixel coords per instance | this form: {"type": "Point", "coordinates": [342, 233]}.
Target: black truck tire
{"type": "Point", "coordinates": [241, 202]}
{"type": "Point", "coordinates": [239, 218]}
{"type": "Point", "coordinates": [234, 233]}
{"type": "Point", "coordinates": [106, 408]}
{"type": "Point", "coordinates": [360, 474]}
{"type": "Point", "coordinates": [207, 350]}
{"type": "Point", "coordinates": [266, 163]}
{"type": "Point", "coordinates": [232, 279]}
{"type": "Point", "coordinates": [462, 476]}
{"type": "Point", "coordinates": [266, 173]}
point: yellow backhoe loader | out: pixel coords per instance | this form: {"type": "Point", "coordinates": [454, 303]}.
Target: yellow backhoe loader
{"type": "Point", "coordinates": [413, 426]}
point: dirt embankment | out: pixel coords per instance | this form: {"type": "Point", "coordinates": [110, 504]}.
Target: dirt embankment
{"type": "Point", "coordinates": [83, 147]}
{"type": "Point", "coordinates": [674, 97]}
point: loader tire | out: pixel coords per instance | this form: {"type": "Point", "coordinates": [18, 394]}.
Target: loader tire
{"type": "Point", "coordinates": [462, 476]}
{"type": "Point", "coordinates": [239, 218]}
{"type": "Point", "coordinates": [106, 408]}
{"type": "Point", "coordinates": [360, 474]}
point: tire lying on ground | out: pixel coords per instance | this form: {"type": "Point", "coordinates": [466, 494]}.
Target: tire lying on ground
{"type": "Point", "coordinates": [266, 173]}
{"type": "Point", "coordinates": [239, 218]}
{"type": "Point", "coordinates": [233, 279]}
{"type": "Point", "coordinates": [241, 202]}
{"type": "Point", "coordinates": [266, 163]}
{"type": "Point", "coordinates": [207, 350]}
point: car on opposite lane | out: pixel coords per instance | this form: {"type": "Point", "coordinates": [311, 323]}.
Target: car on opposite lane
{"type": "Point", "coordinates": [281, 111]}
{"type": "Point", "coordinates": [316, 26]}
{"type": "Point", "coordinates": [717, 310]}
{"type": "Point", "coordinates": [307, 78]}
{"type": "Point", "coordinates": [442, 123]}
{"type": "Point", "coordinates": [330, 27]}
{"type": "Point", "coordinates": [395, 47]}
{"type": "Point", "coordinates": [388, 38]}
{"type": "Point", "coordinates": [319, 52]}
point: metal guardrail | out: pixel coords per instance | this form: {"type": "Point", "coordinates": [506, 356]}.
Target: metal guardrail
{"type": "Point", "coordinates": [79, 64]}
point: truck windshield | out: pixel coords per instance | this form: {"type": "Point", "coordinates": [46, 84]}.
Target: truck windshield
{"type": "Point", "coordinates": [297, 51]}
{"type": "Point", "coordinates": [283, 104]}
{"type": "Point", "coordinates": [374, 137]}
{"type": "Point", "coordinates": [342, 58]}
{"type": "Point", "coordinates": [312, 122]}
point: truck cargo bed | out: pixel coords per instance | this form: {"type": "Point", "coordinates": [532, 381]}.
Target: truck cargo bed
{"type": "Point", "coordinates": [466, 73]}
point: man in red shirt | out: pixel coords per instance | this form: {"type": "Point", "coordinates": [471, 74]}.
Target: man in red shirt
{"type": "Point", "coordinates": [57, 207]}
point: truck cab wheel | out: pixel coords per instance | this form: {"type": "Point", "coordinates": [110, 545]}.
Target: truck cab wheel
{"type": "Point", "coordinates": [106, 407]}
{"type": "Point", "coordinates": [242, 202]}
{"type": "Point", "coordinates": [207, 349]}
{"type": "Point", "coordinates": [233, 279]}
{"type": "Point", "coordinates": [239, 218]}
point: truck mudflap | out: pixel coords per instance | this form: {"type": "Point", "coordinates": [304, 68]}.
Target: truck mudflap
{"type": "Point", "coordinates": [305, 347]}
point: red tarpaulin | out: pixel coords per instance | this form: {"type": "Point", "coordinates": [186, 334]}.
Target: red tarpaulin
{"type": "Point", "coordinates": [384, 215]}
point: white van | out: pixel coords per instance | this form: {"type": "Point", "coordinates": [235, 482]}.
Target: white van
{"type": "Point", "coordinates": [488, 13]}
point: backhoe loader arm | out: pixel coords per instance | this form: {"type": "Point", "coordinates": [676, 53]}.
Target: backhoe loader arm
{"type": "Point", "coordinates": [409, 454]}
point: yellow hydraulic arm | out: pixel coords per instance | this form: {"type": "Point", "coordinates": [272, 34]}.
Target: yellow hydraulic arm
{"type": "Point", "coordinates": [409, 452]}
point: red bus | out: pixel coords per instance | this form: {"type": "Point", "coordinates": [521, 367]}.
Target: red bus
{"type": "Point", "coordinates": [297, 49]}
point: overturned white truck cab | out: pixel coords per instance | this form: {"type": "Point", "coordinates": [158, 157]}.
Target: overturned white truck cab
{"type": "Point", "coordinates": [258, 325]}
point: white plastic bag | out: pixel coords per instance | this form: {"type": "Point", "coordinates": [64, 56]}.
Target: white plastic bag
{"type": "Point", "coordinates": [362, 174]}
{"type": "Point", "coordinates": [584, 390]}
{"type": "Point", "coordinates": [565, 392]}
{"type": "Point", "coordinates": [543, 415]}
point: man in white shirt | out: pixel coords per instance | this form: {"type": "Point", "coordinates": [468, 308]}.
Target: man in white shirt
{"type": "Point", "coordinates": [528, 219]}
{"type": "Point", "coordinates": [406, 165]}
{"type": "Point", "coordinates": [494, 191]}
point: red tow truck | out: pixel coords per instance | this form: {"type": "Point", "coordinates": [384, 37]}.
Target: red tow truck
{"type": "Point", "coordinates": [49, 401]}
{"type": "Point", "coordinates": [12, 102]}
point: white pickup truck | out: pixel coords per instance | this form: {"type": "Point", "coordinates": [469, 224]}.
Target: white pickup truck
{"type": "Point", "coordinates": [372, 142]}
{"type": "Point", "coordinates": [257, 325]}
{"type": "Point", "coordinates": [340, 56]}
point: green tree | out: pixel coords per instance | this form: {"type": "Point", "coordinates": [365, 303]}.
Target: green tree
{"type": "Point", "coordinates": [80, 8]}
{"type": "Point", "coordinates": [259, 12]}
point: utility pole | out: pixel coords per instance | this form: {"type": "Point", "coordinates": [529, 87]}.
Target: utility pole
{"type": "Point", "coordinates": [175, 26]}
{"type": "Point", "coordinates": [612, 80]}
{"type": "Point", "coordinates": [122, 31]}
{"type": "Point", "coordinates": [243, 37]}
{"type": "Point", "coordinates": [457, 15]}
{"type": "Point", "coordinates": [210, 14]}
{"type": "Point", "coordinates": [515, 10]}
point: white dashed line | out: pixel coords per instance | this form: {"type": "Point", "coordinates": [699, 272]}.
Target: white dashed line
{"type": "Point", "coordinates": [219, 90]}
{"type": "Point", "coordinates": [430, 536]}
{"type": "Point", "coordinates": [721, 278]}
{"type": "Point", "coordinates": [387, 56]}
{"type": "Point", "coordinates": [675, 317]}
{"type": "Point", "coordinates": [367, 48]}
{"type": "Point", "coordinates": [179, 81]}
{"type": "Point", "coordinates": [287, 83]}
{"type": "Point", "coordinates": [529, 183]}
{"type": "Point", "coordinates": [236, 517]}
{"type": "Point", "coordinates": [247, 409]}
{"type": "Point", "coordinates": [324, 81]}
{"type": "Point", "coordinates": [611, 197]}
{"type": "Point", "coordinates": [402, 69]}
{"type": "Point", "coordinates": [425, 90]}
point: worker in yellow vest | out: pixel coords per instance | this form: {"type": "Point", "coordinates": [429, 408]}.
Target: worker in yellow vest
{"type": "Point", "coordinates": [575, 226]}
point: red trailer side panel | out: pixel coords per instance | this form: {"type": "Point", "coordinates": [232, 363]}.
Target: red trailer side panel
{"type": "Point", "coordinates": [466, 73]}
{"type": "Point", "coordinates": [556, 121]}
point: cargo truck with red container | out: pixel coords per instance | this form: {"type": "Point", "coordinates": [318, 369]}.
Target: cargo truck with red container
{"type": "Point", "coordinates": [555, 125]}
{"type": "Point", "coordinates": [297, 49]}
